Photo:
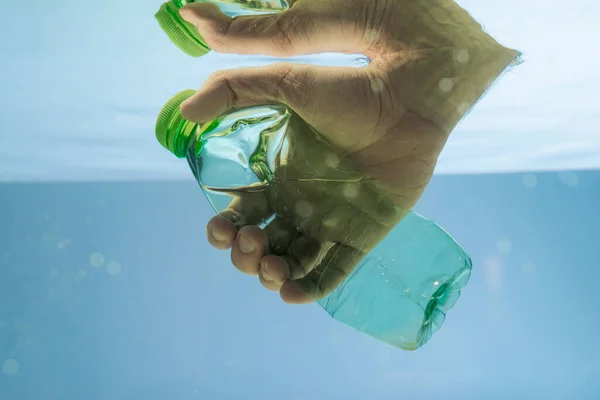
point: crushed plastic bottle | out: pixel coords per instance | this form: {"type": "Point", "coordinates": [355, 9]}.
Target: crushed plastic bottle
{"type": "Point", "coordinates": [382, 270]}
{"type": "Point", "coordinates": [185, 36]}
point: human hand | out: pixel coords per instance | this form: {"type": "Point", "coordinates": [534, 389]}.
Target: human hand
{"type": "Point", "coordinates": [387, 122]}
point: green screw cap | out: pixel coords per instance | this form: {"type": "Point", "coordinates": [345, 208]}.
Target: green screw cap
{"type": "Point", "coordinates": [169, 122]}
{"type": "Point", "coordinates": [182, 33]}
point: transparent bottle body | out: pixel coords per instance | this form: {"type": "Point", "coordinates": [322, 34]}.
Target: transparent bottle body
{"type": "Point", "coordinates": [387, 272]}
{"type": "Point", "coordinates": [234, 8]}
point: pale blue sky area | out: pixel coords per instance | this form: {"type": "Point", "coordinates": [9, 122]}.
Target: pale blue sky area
{"type": "Point", "coordinates": [165, 316]}
{"type": "Point", "coordinates": [87, 79]}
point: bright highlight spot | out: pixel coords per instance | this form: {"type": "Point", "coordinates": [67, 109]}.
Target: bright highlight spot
{"type": "Point", "coordinates": [569, 179]}
{"type": "Point", "coordinates": [10, 367]}
{"type": "Point", "coordinates": [464, 107]}
{"type": "Point", "coordinates": [446, 85]}
{"type": "Point", "coordinates": [242, 159]}
{"type": "Point", "coordinates": [504, 246]}
{"type": "Point", "coordinates": [63, 243]}
{"type": "Point", "coordinates": [332, 160]}
{"type": "Point", "coordinates": [113, 268]}
{"type": "Point", "coordinates": [462, 56]}
{"type": "Point", "coordinates": [493, 274]}
{"type": "Point", "coordinates": [495, 319]}
{"type": "Point", "coordinates": [377, 85]}
{"type": "Point", "coordinates": [304, 209]}
{"type": "Point", "coordinates": [330, 222]}
{"type": "Point", "coordinates": [371, 35]}
{"type": "Point", "coordinates": [530, 181]}
{"type": "Point", "coordinates": [528, 269]}
{"type": "Point", "coordinates": [350, 190]}
{"type": "Point", "coordinates": [96, 260]}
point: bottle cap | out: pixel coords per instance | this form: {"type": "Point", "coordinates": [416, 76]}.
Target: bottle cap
{"type": "Point", "coordinates": [181, 32]}
{"type": "Point", "coordinates": [169, 120]}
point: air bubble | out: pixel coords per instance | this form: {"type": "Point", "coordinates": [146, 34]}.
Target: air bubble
{"type": "Point", "coordinates": [113, 268]}
{"type": "Point", "coordinates": [377, 84]}
{"type": "Point", "coordinates": [332, 160]}
{"type": "Point", "coordinates": [528, 269]}
{"type": "Point", "coordinates": [371, 35]}
{"type": "Point", "coordinates": [242, 159]}
{"type": "Point", "coordinates": [63, 243]}
{"type": "Point", "coordinates": [530, 181]}
{"type": "Point", "coordinates": [504, 246]}
{"type": "Point", "coordinates": [462, 56]}
{"type": "Point", "coordinates": [96, 260]}
{"type": "Point", "coordinates": [350, 190]}
{"type": "Point", "coordinates": [446, 85]}
{"type": "Point", "coordinates": [304, 209]}
{"type": "Point", "coordinates": [569, 179]}
{"type": "Point", "coordinates": [493, 274]}
{"type": "Point", "coordinates": [10, 367]}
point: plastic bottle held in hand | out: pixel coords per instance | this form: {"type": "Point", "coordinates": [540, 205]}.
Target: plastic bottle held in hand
{"type": "Point", "coordinates": [185, 35]}
{"type": "Point", "coordinates": [399, 281]}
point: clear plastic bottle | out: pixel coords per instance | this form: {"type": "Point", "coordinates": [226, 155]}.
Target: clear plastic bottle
{"type": "Point", "coordinates": [387, 272]}
{"type": "Point", "coordinates": [185, 35]}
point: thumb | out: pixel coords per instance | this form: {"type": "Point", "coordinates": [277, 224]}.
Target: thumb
{"type": "Point", "coordinates": [296, 31]}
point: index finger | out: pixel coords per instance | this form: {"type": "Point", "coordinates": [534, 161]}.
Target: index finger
{"type": "Point", "coordinates": [305, 27]}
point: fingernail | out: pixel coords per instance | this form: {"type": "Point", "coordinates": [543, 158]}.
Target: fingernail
{"type": "Point", "coordinates": [266, 276]}
{"type": "Point", "coordinates": [246, 244]}
{"type": "Point", "coordinates": [219, 236]}
{"type": "Point", "coordinates": [263, 271]}
{"type": "Point", "coordinates": [233, 216]}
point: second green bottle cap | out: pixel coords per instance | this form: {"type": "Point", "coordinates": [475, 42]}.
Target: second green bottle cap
{"type": "Point", "coordinates": [169, 119]}
{"type": "Point", "coordinates": [182, 33]}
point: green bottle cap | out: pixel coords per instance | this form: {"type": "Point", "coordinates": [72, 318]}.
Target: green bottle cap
{"type": "Point", "coordinates": [182, 33]}
{"type": "Point", "coordinates": [171, 128]}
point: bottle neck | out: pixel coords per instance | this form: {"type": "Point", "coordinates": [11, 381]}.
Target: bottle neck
{"type": "Point", "coordinates": [181, 134]}
{"type": "Point", "coordinates": [181, 3]}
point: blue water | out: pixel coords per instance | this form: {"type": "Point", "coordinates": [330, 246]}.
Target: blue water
{"type": "Point", "coordinates": [178, 320]}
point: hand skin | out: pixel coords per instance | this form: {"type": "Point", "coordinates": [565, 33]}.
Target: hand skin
{"type": "Point", "coordinates": [388, 122]}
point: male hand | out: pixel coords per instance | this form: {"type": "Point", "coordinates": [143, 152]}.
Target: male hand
{"type": "Point", "coordinates": [385, 123]}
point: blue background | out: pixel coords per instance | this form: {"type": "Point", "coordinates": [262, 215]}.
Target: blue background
{"type": "Point", "coordinates": [179, 321]}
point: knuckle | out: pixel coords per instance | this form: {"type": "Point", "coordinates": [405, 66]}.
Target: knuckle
{"type": "Point", "coordinates": [223, 80]}
{"type": "Point", "coordinates": [217, 76]}
{"type": "Point", "coordinates": [293, 85]}
{"type": "Point", "coordinates": [286, 29]}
